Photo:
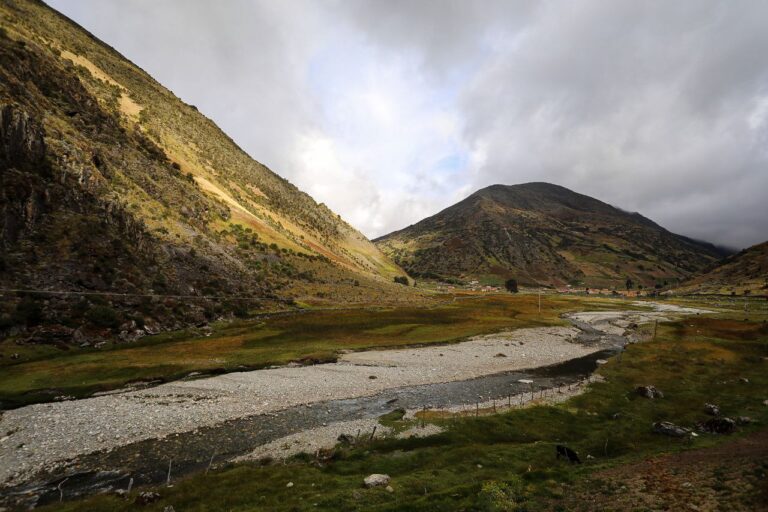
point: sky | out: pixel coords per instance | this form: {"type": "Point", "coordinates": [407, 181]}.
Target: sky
{"type": "Point", "coordinates": [389, 111]}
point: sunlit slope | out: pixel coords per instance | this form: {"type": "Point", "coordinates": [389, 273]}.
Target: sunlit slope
{"type": "Point", "coordinates": [112, 185]}
{"type": "Point", "coordinates": [739, 274]}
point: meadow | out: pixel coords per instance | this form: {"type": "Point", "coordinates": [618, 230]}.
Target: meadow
{"type": "Point", "coordinates": [306, 337]}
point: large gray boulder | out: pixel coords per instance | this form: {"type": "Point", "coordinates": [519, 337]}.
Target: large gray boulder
{"type": "Point", "coordinates": [376, 480]}
{"type": "Point", "coordinates": [670, 429]}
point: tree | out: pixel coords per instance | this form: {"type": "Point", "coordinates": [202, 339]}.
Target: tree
{"type": "Point", "coordinates": [630, 284]}
{"type": "Point", "coordinates": [511, 285]}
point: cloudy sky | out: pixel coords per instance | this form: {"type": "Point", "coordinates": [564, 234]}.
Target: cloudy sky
{"type": "Point", "coordinates": [390, 110]}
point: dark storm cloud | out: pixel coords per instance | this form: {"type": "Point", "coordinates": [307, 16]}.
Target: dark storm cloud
{"type": "Point", "coordinates": [389, 111]}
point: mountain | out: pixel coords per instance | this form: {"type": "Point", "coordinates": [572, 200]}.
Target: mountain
{"type": "Point", "coordinates": [543, 234]}
{"type": "Point", "coordinates": [112, 186]}
{"type": "Point", "coordinates": [743, 273]}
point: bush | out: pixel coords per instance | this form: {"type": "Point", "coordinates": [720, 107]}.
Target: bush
{"type": "Point", "coordinates": [401, 280]}
{"type": "Point", "coordinates": [511, 285]}
{"type": "Point", "coordinates": [103, 316]}
{"type": "Point", "coordinates": [28, 312]}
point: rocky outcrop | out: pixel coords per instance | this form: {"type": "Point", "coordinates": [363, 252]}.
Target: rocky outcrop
{"type": "Point", "coordinates": [22, 140]}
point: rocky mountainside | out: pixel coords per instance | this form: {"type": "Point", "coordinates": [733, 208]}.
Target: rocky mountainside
{"type": "Point", "coordinates": [545, 234]}
{"type": "Point", "coordinates": [112, 186]}
{"type": "Point", "coordinates": [743, 273]}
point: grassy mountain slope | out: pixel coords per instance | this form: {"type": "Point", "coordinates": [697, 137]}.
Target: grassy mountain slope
{"type": "Point", "coordinates": [540, 233]}
{"type": "Point", "coordinates": [742, 273]}
{"type": "Point", "coordinates": [110, 183]}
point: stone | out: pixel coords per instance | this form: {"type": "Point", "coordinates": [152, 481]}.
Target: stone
{"type": "Point", "coordinates": [376, 480]}
{"type": "Point", "coordinates": [670, 429]}
{"type": "Point", "coordinates": [649, 392]}
{"type": "Point", "coordinates": [712, 409]}
{"type": "Point", "coordinates": [345, 439]}
{"type": "Point", "coordinates": [719, 426]}
{"type": "Point", "coordinates": [744, 420]}
{"type": "Point", "coordinates": [389, 489]}
{"type": "Point", "coordinates": [147, 497]}
{"type": "Point", "coordinates": [289, 485]}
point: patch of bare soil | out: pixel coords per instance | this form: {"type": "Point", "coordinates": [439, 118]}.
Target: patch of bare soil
{"type": "Point", "coordinates": [727, 477]}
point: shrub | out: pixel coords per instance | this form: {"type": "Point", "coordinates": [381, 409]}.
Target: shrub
{"type": "Point", "coordinates": [103, 316]}
{"type": "Point", "coordinates": [401, 280]}
{"type": "Point", "coordinates": [28, 312]}
{"type": "Point", "coordinates": [511, 285]}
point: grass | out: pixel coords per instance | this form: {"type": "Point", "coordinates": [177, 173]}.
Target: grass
{"type": "Point", "coordinates": [506, 461]}
{"type": "Point", "coordinates": [309, 337]}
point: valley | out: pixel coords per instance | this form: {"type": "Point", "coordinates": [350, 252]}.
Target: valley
{"type": "Point", "coordinates": [441, 325]}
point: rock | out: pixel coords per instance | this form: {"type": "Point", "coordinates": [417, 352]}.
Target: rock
{"type": "Point", "coordinates": [500, 355]}
{"type": "Point", "coordinates": [345, 439]}
{"type": "Point", "coordinates": [376, 480]}
{"type": "Point", "coordinates": [649, 392]}
{"type": "Point", "coordinates": [765, 402]}
{"type": "Point", "coordinates": [744, 380]}
{"type": "Point", "coordinates": [147, 497]}
{"type": "Point", "coordinates": [687, 485]}
{"type": "Point", "coordinates": [670, 429]}
{"type": "Point", "coordinates": [289, 485]}
{"type": "Point", "coordinates": [719, 426]}
{"type": "Point", "coordinates": [712, 409]}
{"type": "Point", "coordinates": [744, 420]}
{"type": "Point", "coordinates": [372, 377]}
{"type": "Point", "coordinates": [390, 489]}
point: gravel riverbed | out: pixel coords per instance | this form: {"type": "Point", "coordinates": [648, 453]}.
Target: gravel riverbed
{"type": "Point", "coordinates": [45, 436]}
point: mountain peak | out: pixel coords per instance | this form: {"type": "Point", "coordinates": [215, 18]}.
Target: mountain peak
{"type": "Point", "coordinates": [543, 233]}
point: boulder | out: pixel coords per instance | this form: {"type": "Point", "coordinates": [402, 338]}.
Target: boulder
{"type": "Point", "coordinates": [376, 480]}
{"type": "Point", "coordinates": [147, 497]}
{"type": "Point", "coordinates": [670, 429]}
{"type": "Point", "coordinates": [719, 426]}
{"type": "Point", "coordinates": [345, 439]}
{"type": "Point", "coordinates": [649, 392]}
{"type": "Point", "coordinates": [744, 420]}
{"type": "Point", "coordinates": [712, 409]}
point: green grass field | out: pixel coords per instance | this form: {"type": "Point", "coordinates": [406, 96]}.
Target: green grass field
{"type": "Point", "coordinates": [506, 461]}
{"type": "Point", "coordinates": [45, 372]}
